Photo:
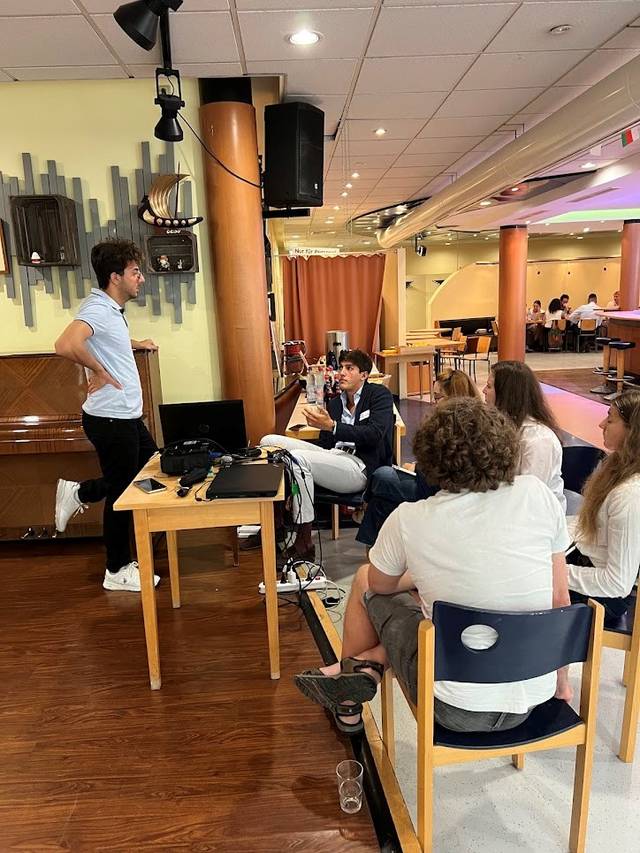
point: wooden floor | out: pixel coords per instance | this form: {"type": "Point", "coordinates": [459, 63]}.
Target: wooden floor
{"type": "Point", "coordinates": [576, 381]}
{"type": "Point", "coordinates": [221, 759]}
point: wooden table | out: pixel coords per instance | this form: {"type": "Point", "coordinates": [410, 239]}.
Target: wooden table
{"type": "Point", "coordinates": [165, 511]}
{"type": "Point", "coordinates": [422, 355]}
{"type": "Point", "coordinates": [307, 433]}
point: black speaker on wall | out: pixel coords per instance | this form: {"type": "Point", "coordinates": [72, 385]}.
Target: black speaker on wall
{"type": "Point", "coordinates": [294, 154]}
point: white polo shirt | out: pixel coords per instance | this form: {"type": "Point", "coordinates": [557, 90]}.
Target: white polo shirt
{"type": "Point", "coordinates": [490, 550]}
{"type": "Point", "coordinates": [110, 344]}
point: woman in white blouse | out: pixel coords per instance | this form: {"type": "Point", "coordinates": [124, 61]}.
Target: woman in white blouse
{"type": "Point", "coordinates": [604, 563]}
{"type": "Point", "coordinates": [513, 388]}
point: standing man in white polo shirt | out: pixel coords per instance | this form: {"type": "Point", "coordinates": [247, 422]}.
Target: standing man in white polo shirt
{"type": "Point", "coordinates": [98, 339]}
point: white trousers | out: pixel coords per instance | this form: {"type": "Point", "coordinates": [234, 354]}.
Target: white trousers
{"type": "Point", "coordinates": [330, 469]}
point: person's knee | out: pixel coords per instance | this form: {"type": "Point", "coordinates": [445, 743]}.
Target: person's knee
{"type": "Point", "coordinates": [269, 440]}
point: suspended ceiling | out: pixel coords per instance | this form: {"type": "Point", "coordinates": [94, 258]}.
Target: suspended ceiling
{"type": "Point", "coordinates": [450, 83]}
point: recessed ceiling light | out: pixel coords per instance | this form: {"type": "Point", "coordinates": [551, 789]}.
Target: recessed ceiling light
{"type": "Point", "coordinates": [475, 235]}
{"type": "Point", "coordinates": [527, 222]}
{"type": "Point", "coordinates": [585, 230]}
{"type": "Point", "coordinates": [344, 194]}
{"type": "Point", "coordinates": [349, 186]}
{"type": "Point", "coordinates": [447, 244]}
{"type": "Point", "coordinates": [380, 131]}
{"type": "Point", "coordinates": [295, 236]}
{"type": "Point", "coordinates": [560, 29]}
{"type": "Point", "coordinates": [486, 238]}
{"type": "Point", "coordinates": [514, 189]}
{"type": "Point", "coordinates": [485, 203]}
{"type": "Point", "coordinates": [355, 174]}
{"type": "Point", "coordinates": [336, 207]}
{"type": "Point", "coordinates": [366, 242]}
{"type": "Point", "coordinates": [580, 238]}
{"type": "Point", "coordinates": [331, 232]}
{"type": "Point", "coordinates": [304, 37]}
{"type": "Point", "coordinates": [572, 233]}
{"type": "Point", "coordinates": [588, 166]}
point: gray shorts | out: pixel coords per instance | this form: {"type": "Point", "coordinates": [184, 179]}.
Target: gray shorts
{"type": "Point", "coordinates": [396, 619]}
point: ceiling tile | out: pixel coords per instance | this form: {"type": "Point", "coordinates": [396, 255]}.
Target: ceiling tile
{"type": "Point", "coordinates": [69, 72]}
{"type": "Point", "coordinates": [485, 102]}
{"type": "Point", "coordinates": [412, 73]}
{"type": "Point", "coordinates": [508, 70]}
{"type": "Point", "coordinates": [554, 98]}
{"type": "Point", "coordinates": [45, 41]}
{"type": "Point", "coordinates": [472, 125]}
{"type": "Point", "coordinates": [331, 105]}
{"type": "Point", "coordinates": [253, 5]}
{"type": "Point", "coordinates": [37, 7]}
{"type": "Point", "coordinates": [203, 37]}
{"type": "Point", "coordinates": [401, 172]}
{"type": "Point", "coordinates": [495, 141]}
{"type": "Point", "coordinates": [190, 6]}
{"type": "Point", "coordinates": [597, 66]}
{"type": "Point", "coordinates": [127, 50]}
{"type": "Point", "coordinates": [375, 146]}
{"type": "Point", "coordinates": [592, 24]}
{"type": "Point", "coordinates": [396, 128]}
{"type": "Point", "coordinates": [444, 144]}
{"type": "Point", "coordinates": [369, 160]}
{"type": "Point", "coordinates": [343, 31]}
{"type": "Point", "coordinates": [421, 31]}
{"type": "Point", "coordinates": [441, 160]}
{"type": "Point", "coordinates": [420, 105]}
{"type": "Point", "coordinates": [629, 37]}
{"type": "Point", "coordinates": [193, 69]}
{"type": "Point", "coordinates": [330, 76]}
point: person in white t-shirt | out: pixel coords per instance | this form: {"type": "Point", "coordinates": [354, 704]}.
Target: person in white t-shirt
{"type": "Point", "coordinates": [456, 547]}
{"type": "Point", "coordinates": [513, 388]}
{"type": "Point", "coordinates": [98, 339]}
{"type": "Point", "coordinates": [587, 311]}
{"type": "Point", "coordinates": [604, 562]}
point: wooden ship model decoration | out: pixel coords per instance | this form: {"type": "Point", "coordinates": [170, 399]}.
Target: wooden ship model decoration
{"type": "Point", "coordinates": [154, 207]}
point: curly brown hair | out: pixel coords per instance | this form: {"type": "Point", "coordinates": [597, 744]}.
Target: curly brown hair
{"type": "Point", "coordinates": [467, 445]}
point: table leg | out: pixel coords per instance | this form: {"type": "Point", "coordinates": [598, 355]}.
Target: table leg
{"type": "Point", "coordinates": [174, 568]}
{"type": "Point", "coordinates": [145, 566]}
{"type": "Point", "coordinates": [267, 528]}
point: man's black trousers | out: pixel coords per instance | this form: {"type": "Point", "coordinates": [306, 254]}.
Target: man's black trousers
{"type": "Point", "coordinates": [123, 448]}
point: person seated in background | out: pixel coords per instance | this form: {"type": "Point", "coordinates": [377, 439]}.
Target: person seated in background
{"type": "Point", "coordinates": [614, 303]}
{"type": "Point", "coordinates": [453, 547]}
{"type": "Point", "coordinates": [604, 562]}
{"type": "Point", "coordinates": [586, 311]}
{"type": "Point", "coordinates": [555, 311]}
{"type": "Point", "coordinates": [554, 337]}
{"type": "Point", "coordinates": [513, 388]}
{"type": "Point", "coordinates": [356, 434]}
{"type": "Point", "coordinates": [535, 326]}
{"type": "Point", "coordinates": [566, 308]}
{"type": "Point", "coordinates": [390, 486]}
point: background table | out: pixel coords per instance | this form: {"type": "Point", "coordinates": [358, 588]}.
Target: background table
{"type": "Point", "coordinates": [165, 511]}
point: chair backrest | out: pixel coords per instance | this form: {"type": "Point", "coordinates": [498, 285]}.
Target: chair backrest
{"type": "Point", "coordinates": [560, 325]}
{"type": "Point", "coordinates": [588, 325]}
{"type": "Point", "coordinates": [484, 344]}
{"type": "Point", "coordinates": [494, 327]}
{"type": "Point", "coordinates": [578, 463]}
{"type": "Point", "coordinates": [456, 334]}
{"type": "Point", "coordinates": [529, 644]}
{"type": "Point", "coordinates": [471, 345]}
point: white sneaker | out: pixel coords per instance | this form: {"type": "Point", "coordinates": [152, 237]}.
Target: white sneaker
{"type": "Point", "coordinates": [67, 503]}
{"type": "Point", "coordinates": [127, 578]}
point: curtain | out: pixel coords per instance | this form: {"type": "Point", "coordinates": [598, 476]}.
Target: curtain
{"type": "Point", "coordinates": [333, 293]}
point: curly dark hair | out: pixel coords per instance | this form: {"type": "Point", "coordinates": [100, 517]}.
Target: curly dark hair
{"type": "Point", "coordinates": [113, 256]}
{"type": "Point", "coordinates": [467, 445]}
{"type": "Point", "coordinates": [359, 358]}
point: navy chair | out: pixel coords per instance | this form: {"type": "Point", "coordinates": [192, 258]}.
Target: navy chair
{"type": "Point", "coordinates": [336, 500]}
{"type": "Point", "coordinates": [528, 645]}
{"type": "Point", "coordinates": [578, 462]}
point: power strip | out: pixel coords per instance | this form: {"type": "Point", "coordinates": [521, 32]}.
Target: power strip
{"type": "Point", "coordinates": [316, 583]}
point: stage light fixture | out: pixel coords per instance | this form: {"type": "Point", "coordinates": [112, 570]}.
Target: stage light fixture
{"type": "Point", "coordinates": [168, 128]}
{"type": "Point", "coordinates": [140, 19]}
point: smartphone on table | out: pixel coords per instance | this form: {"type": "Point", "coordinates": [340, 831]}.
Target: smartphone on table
{"type": "Point", "coordinates": [150, 485]}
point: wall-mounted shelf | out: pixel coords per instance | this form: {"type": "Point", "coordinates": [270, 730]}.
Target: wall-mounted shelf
{"type": "Point", "coordinates": [46, 230]}
{"type": "Point", "coordinates": [170, 253]}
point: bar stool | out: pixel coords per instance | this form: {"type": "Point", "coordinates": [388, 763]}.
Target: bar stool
{"type": "Point", "coordinates": [620, 348]}
{"type": "Point", "coordinates": [605, 388]}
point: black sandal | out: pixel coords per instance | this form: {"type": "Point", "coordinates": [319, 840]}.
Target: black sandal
{"type": "Point", "coordinates": [351, 685]}
{"type": "Point", "coordinates": [348, 711]}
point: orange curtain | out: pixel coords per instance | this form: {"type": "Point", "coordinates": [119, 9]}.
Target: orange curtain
{"type": "Point", "coordinates": [333, 293]}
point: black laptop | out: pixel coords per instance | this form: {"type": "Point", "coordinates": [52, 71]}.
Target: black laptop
{"type": "Point", "coordinates": [222, 421]}
{"type": "Point", "coordinates": [246, 480]}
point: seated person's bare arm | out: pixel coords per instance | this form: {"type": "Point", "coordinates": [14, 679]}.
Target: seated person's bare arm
{"type": "Point", "coordinates": [72, 344]}
{"type": "Point", "coordinates": [383, 584]}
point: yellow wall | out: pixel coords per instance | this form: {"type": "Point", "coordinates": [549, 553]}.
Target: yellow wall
{"type": "Point", "coordinates": [86, 127]}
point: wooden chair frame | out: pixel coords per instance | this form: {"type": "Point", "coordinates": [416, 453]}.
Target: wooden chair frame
{"type": "Point", "coordinates": [630, 645]}
{"type": "Point", "coordinates": [431, 756]}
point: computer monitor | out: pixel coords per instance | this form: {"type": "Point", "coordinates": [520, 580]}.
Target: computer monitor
{"type": "Point", "coordinates": [220, 420]}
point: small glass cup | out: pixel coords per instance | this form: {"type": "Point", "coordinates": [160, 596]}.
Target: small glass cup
{"type": "Point", "coordinates": [349, 771]}
{"type": "Point", "coordinates": [350, 796]}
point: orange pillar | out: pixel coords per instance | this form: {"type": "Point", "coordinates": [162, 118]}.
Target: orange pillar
{"type": "Point", "coordinates": [630, 265]}
{"type": "Point", "coordinates": [237, 245]}
{"type": "Point", "coordinates": [512, 292]}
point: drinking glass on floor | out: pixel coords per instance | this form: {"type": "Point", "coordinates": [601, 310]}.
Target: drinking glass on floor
{"type": "Point", "coordinates": [350, 796]}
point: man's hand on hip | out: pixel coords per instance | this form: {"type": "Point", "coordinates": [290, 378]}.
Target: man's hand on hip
{"type": "Point", "coordinates": [318, 417]}
{"type": "Point", "coordinates": [99, 378]}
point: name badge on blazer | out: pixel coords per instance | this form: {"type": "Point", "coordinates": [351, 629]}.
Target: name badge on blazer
{"type": "Point", "coordinates": [364, 415]}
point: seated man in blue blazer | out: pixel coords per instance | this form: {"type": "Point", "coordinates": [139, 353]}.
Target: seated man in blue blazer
{"type": "Point", "coordinates": [356, 432]}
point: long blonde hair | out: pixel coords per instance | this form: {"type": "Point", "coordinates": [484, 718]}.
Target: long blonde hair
{"type": "Point", "coordinates": [456, 383]}
{"type": "Point", "coordinates": [616, 468]}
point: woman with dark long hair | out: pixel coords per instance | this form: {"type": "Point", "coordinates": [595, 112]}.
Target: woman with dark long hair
{"type": "Point", "coordinates": [513, 388]}
{"type": "Point", "coordinates": [604, 563]}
